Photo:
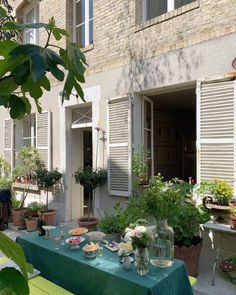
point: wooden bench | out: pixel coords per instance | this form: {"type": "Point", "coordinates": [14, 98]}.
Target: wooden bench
{"type": "Point", "coordinates": [41, 286]}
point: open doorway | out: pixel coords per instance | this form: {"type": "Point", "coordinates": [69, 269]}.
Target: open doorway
{"type": "Point", "coordinates": [88, 162]}
{"type": "Point", "coordinates": [174, 134]}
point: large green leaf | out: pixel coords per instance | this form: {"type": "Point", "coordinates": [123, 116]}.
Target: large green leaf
{"type": "Point", "coordinates": [13, 279]}
{"type": "Point", "coordinates": [7, 291]}
{"type": "Point", "coordinates": [17, 107]}
{"type": "Point", "coordinates": [6, 47]}
{"type": "Point", "coordinates": [59, 33]}
{"type": "Point", "coordinates": [7, 86]}
{"type": "Point", "coordinates": [14, 251]}
{"type": "Point", "coordinates": [3, 12]}
{"type": "Point", "coordinates": [8, 64]}
{"type": "Point", "coordinates": [21, 72]}
{"type": "Point", "coordinates": [15, 26]}
{"type": "Point", "coordinates": [4, 100]}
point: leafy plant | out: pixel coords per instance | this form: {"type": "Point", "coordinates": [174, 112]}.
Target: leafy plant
{"type": "Point", "coordinates": [233, 211]}
{"type": "Point", "coordinates": [24, 68]}
{"type": "Point", "coordinates": [5, 183]}
{"type": "Point", "coordinates": [6, 15]}
{"type": "Point", "coordinates": [35, 207]}
{"type": "Point", "coordinates": [15, 203]}
{"type": "Point", "coordinates": [139, 167]}
{"type": "Point", "coordinates": [112, 222]}
{"type": "Point", "coordinates": [222, 191]}
{"type": "Point", "coordinates": [90, 179]}
{"type": "Point", "coordinates": [47, 179]}
{"type": "Point", "coordinates": [4, 168]}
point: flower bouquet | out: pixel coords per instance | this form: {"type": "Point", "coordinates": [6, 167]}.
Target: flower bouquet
{"type": "Point", "coordinates": [141, 238]}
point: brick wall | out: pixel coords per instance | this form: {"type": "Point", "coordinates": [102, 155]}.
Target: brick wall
{"type": "Point", "coordinates": [120, 36]}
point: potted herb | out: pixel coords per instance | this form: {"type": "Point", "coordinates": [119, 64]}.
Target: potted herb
{"type": "Point", "coordinates": [47, 180]}
{"type": "Point", "coordinates": [90, 179]}
{"type": "Point", "coordinates": [218, 194]}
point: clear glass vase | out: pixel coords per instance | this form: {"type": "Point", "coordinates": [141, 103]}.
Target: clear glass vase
{"type": "Point", "coordinates": [142, 261]}
{"type": "Point", "coordinates": [162, 246]}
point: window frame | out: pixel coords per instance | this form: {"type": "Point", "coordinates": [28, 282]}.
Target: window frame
{"type": "Point", "coordinates": [170, 7]}
{"type": "Point", "coordinates": [86, 23]}
{"type": "Point", "coordinates": [35, 9]}
{"type": "Point", "coordinates": [32, 136]}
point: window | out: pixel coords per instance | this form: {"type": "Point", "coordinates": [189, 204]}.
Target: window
{"type": "Point", "coordinates": [31, 35]}
{"type": "Point", "coordinates": [153, 8]}
{"type": "Point", "coordinates": [29, 131]}
{"type": "Point", "coordinates": [83, 21]}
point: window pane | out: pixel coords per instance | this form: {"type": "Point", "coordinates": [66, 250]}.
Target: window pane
{"type": "Point", "coordinates": [90, 8]}
{"type": "Point", "coordinates": [80, 12]}
{"type": "Point", "coordinates": [156, 8]}
{"type": "Point", "coordinates": [179, 3]}
{"type": "Point", "coordinates": [26, 127]}
{"type": "Point", "coordinates": [30, 16]}
{"type": "Point", "coordinates": [147, 143]}
{"type": "Point", "coordinates": [26, 142]}
{"type": "Point", "coordinates": [91, 31]}
{"type": "Point", "coordinates": [80, 34]}
{"type": "Point", "coordinates": [30, 36]}
{"type": "Point", "coordinates": [147, 115]}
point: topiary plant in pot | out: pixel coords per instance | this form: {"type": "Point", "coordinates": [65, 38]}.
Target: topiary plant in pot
{"type": "Point", "coordinates": [47, 180]}
{"type": "Point", "coordinates": [90, 179]}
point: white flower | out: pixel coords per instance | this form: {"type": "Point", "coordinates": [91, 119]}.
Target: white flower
{"type": "Point", "coordinates": [141, 229]}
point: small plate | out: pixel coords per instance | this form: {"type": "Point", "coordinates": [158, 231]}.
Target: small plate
{"type": "Point", "coordinates": [48, 227]}
{"type": "Point", "coordinates": [78, 231]}
{"type": "Point", "coordinates": [73, 238]}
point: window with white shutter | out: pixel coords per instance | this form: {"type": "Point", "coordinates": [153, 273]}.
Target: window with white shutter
{"type": "Point", "coordinates": [119, 146]}
{"type": "Point", "coordinates": [9, 141]}
{"type": "Point", "coordinates": [43, 137]}
{"type": "Point", "coordinates": [216, 130]}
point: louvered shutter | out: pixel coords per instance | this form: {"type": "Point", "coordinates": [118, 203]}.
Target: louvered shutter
{"type": "Point", "coordinates": [216, 130]}
{"type": "Point", "coordinates": [119, 146]}
{"type": "Point", "coordinates": [9, 142]}
{"type": "Point", "coordinates": [43, 137]}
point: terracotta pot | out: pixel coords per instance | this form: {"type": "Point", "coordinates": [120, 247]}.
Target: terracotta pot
{"type": "Point", "coordinates": [31, 224]}
{"type": "Point", "coordinates": [18, 215]}
{"type": "Point", "coordinates": [190, 255]}
{"type": "Point", "coordinates": [48, 216]}
{"type": "Point", "coordinates": [233, 219]}
{"type": "Point", "coordinates": [220, 213]}
{"type": "Point", "coordinates": [89, 223]}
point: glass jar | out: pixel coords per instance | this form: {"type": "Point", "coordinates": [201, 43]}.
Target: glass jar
{"type": "Point", "coordinates": [141, 260]}
{"type": "Point", "coordinates": [162, 246]}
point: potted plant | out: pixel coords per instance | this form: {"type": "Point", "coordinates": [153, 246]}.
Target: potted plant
{"type": "Point", "coordinates": [47, 180]}
{"type": "Point", "coordinates": [218, 195]}
{"type": "Point", "coordinates": [140, 170]}
{"type": "Point", "coordinates": [233, 216]}
{"type": "Point", "coordinates": [229, 266]}
{"type": "Point", "coordinates": [90, 179]}
{"type": "Point", "coordinates": [25, 173]}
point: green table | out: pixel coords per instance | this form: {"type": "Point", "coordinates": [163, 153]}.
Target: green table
{"type": "Point", "coordinates": [74, 272]}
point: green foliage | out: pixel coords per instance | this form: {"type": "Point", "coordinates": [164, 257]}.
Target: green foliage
{"type": "Point", "coordinates": [4, 167]}
{"type": "Point", "coordinates": [233, 211]}
{"type": "Point", "coordinates": [232, 259]}
{"type": "Point", "coordinates": [89, 178]}
{"type": "Point", "coordinates": [47, 179]}
{"type": "Point", "coordinates": [113, 222]}
{"type": "Point", "coordinates": [12, 281]}
{"type": "Point", "coordinates": [15, 203]}
{"type": "Point", "coordinates": [5, 183]}
{"type": "Point", "coordinates": [35, 207]}
{"type": "Point", "coordinates": [24, 69]}
{"type": "Point", "coordinates": [6, 15]}
{"type": "Point", "coordinates": [222, 191]}
{"type": "Point", "coordinates": [139, 167]}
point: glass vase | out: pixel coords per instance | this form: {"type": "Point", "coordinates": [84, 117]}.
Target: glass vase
{"type": "Point", "coordinates": [141, 261]}
{"type": "Point", "coordinates": [162, 246]}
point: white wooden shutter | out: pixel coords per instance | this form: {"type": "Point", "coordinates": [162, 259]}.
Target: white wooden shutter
{"type": "Point", "coordinates": [119, 146]}
{"type": "Point", "coordinates": [216, 130]}
{"type": "Point", "coordinates": [43, 137]}
{"type": "Point", "coordinates": [9, 142]}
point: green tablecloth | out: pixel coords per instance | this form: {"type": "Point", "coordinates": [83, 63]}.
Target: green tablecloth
{"type": "Point", "coordinates": [74, 272]}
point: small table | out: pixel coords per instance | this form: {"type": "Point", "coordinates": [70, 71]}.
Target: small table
{"type": "Point", "coordinates": [223, 230]}
{"type": "Point", "coordinates": [74, 272]}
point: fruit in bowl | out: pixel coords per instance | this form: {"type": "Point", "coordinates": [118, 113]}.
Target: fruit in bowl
{"type": "Point", "coordinates": [90, 250]}
{"type": "Point", "coordinates": [74, 242]}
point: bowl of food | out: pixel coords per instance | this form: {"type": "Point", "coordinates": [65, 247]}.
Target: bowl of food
{"type": "Point", "coordinates": [78, 231]}
{"type": "Point", "coordinates": [74, 242]}
{"type": "Point", "coordinates": [90, 250]}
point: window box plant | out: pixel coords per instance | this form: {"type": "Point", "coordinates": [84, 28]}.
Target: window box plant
{"type": "Point", "coordinates": [47, 180]}
{"type": "Point", "coordinates": [90, 179]}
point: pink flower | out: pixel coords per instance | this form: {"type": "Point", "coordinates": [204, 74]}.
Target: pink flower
{"type": "Point", "coordinates": [132, 233]}
{"type": "Point", "coordinates": [139, 234]}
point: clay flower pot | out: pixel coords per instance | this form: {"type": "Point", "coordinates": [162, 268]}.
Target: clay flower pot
{"type": "Point", "coordinates": [233, 219]}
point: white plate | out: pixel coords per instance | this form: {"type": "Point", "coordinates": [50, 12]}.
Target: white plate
{"type": "Point", "coordinates": [48, 227]}
{"type": "Point", "coordinates": [84, 231]}
{"type": "Point", "coordinates": [68, 240]}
